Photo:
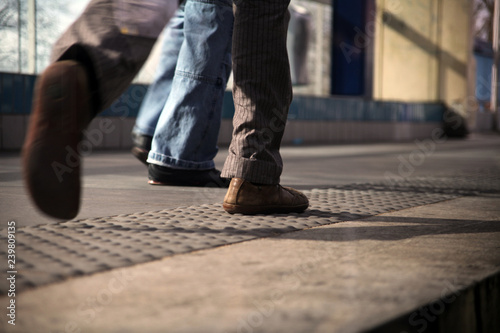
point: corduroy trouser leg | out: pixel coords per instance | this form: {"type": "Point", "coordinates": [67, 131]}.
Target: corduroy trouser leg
{"type": "Point", "coordinates": [262, 90]}
{"type": "Point", "coordinates": [113, 38]}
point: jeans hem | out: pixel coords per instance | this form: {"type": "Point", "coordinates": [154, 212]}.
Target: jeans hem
{"type": "Point", "coordinates": [174, 163]}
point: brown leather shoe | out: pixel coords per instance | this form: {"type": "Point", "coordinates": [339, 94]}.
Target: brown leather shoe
{"type": "Point", "coordinates": [246, 198]}
{"type": "Point", "coordinates": [51, 157]}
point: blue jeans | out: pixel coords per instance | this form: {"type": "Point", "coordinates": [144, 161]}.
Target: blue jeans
{"type": "Point", "coordinates": [182, 108]}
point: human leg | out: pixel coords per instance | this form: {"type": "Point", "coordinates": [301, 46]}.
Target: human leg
{"type": "Point", "coordinates": [93, 62]}
{"type": "Point", "coordinates": [262, 90]}
{"type": "Point", "coordinates": [186, 134]}
{"type": "Point", "coordinates": [159, 90]}
{"type": "Point", "coordinates": [116, 37]}
{"type": "Point", "coordinates": [262, 95]}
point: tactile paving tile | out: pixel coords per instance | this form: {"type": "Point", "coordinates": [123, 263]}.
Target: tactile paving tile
{"type": "Point", "coordinates": [479, 182]}
{"type": "Point", "coordinates": [53, 252]}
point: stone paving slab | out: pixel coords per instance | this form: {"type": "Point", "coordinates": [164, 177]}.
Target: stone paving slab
{"type": "Point", "coordinates": [344, 277]}
{"type": "Point", "coordinates": [485, 181]}
{"type": "Point", "coordinates": [54, 252]}
{"type": "Point", "coordinates": [163, 268]}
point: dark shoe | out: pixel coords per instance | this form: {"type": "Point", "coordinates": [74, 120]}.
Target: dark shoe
{"type": "Point", "coordinates": [51, 158]}
{"type": "Point", "coordinates": [160, 175]}
{"type": "Point", "coordinates": [142, 146]}
{"type": "Point", "coordinates": [246, 198]}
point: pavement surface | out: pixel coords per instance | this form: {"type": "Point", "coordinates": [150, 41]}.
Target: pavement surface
{"type": "Point", "coordinates": [400, 237]}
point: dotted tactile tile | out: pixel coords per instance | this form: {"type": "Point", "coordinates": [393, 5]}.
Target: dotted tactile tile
{"type": "Point", "coordinates": [53, 252]}
{"type": "Point", "coordinates": [483, 182]}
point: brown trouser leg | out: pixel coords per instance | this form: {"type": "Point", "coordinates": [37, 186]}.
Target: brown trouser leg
{"type": "Point", "coordinates": [113, 38]}
{"type": "Point", "coordinates": [262, 90]}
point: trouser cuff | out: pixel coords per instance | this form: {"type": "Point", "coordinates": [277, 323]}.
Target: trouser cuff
{"type": "Point", "coordinates": [251, 170]}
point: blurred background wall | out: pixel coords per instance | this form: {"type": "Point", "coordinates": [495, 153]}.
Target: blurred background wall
{"type": "Point", "coordinates": [363, 70]}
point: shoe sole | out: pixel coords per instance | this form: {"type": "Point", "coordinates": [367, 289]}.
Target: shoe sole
{"type": "Point", "coordinates": [213, 184]}
{"type": "Point", "coordinates": [253, 210]}
{"type": "Point", "coordinates": [51, 158]}
{"type": "Point", "coordinates": [188, 178]}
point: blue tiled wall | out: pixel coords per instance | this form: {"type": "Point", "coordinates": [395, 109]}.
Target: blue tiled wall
{"type": "Point", "coordinates": [16, 94]}
{"type": "Point", "coordinates": [356, 109]}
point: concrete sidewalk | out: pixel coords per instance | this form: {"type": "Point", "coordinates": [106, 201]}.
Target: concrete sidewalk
{"type": "Point", "coordinates": [399, 238]}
